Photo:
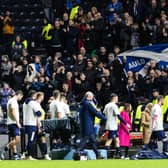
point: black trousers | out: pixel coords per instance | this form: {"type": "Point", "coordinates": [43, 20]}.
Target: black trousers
{"type": "Point", "coordinates": [92, 139]}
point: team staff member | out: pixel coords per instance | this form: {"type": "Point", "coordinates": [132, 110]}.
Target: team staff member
{"type": "Point", "coordinates": [30, 112]}
{"type": "Point", "coordinates": [13, 124]}
{"type": "Point", "coordinates": [41, 136]}
{"type": "Point", "coordinates": [87, 116]}
{"type": "Point", "coordinates": [32, 97]}
{"type": "Point", "coordinates": [65, 107]}
{"type": "Point", "coordinates": [55, 111]}
{"type": "Point", "coordinates": [31, 120]}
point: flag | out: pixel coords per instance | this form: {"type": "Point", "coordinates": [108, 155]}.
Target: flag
{"type": "Point", "coordinates": [138, 59]}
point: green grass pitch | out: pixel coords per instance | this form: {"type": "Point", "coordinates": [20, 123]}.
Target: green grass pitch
{"type": "Point", "coordinates": [86, 164]}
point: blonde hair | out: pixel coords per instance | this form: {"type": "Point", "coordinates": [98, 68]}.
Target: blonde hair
{"type": "Point", "coordinates": [148, 107]}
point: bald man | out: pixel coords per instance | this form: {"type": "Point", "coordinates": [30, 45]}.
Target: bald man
{"type": "Point", "coordinates": [87, 116]}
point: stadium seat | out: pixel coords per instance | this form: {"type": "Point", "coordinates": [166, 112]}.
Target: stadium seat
{"type": "Point", "coordinates": [28, 15]}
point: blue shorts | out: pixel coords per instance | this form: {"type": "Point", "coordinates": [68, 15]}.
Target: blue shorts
{"type": "Point", "coordinates": [113, 134]}
{"type": "Point", "coordinates": [13, 130]}
{"type": "Point", "coordinates": [158, 135]}
{"type": "Point", "coordinates": [31, 131]}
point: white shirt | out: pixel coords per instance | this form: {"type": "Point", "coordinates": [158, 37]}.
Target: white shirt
{"type": "Point", "coordinates": [157, 121]}
{"type": "Point", "coordinates": [29, 113]}
{"type": "Point", "coordinates": [12, 104]}
{"type": "Point", "coordinates": [65, 110]}
{"type": "Point", "coordinates": [54, 108]}
{"type": "Point", "coordinates": [111, 111]}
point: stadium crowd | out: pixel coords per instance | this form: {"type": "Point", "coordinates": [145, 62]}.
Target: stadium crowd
{"type": "Point", "coordinates": [83, 41]}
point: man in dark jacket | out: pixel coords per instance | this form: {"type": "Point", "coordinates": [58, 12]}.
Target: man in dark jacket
{"type": "Point", "coordinates": [87, 117]}
{"type": "Point", "coordinates": [57, 38]}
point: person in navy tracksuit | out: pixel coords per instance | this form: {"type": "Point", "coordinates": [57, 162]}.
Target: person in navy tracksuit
{"type": "Point", "coordinates": [87, 116]}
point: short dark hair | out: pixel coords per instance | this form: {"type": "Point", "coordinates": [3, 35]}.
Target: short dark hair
{"type": "Point", "coordinates": [113, 95]}
{"type": "Point", "coordinates": [31, 93]}
{"type": "Point", "coordinates": [155, 90]}
{"type": "Point", "coordinates": [18, 92]}
{"type": "Point", "coordinates": [56, 93]}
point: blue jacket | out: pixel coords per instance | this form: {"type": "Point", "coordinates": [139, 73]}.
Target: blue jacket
{"type": "Point", "coordinates": [87, 117]}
